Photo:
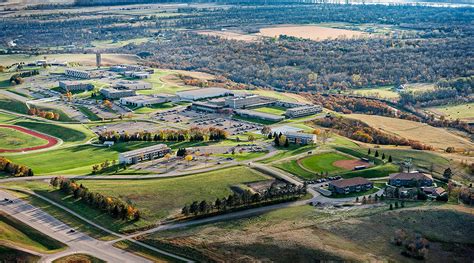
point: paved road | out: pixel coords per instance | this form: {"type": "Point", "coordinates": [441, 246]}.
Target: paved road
{"type": "Point", "coordinates": [77, 242]}
{"type": "Point", "coordinates": [121, 237]}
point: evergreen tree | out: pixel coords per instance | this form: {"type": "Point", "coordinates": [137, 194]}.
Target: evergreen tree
{"type": "Point", "coordinates": [287, 143]}
{"type": "Point", "coordinates": [448, 173]}
{"type": "Point", "coordinates": [383, 156]}
{"type": "Point", "coordinates": [376, 153]}
{"type": "Point", "coordinates": [368, 152]}
{"type": "Point", "coordinates": [389, 158]}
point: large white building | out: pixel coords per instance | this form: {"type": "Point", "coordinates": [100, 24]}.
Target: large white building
{"type": "Point", "coordinates": [75, 86]}
{"type": "Point", "coordinates": [301, 138]}
{"type": "Point", "coordinates": [259, 115]}
{"type": "Point", "coordinates": [111, 93]}
{"type": "Point", "coordinates": [303, 111]}
{"type": "Point", "coordinates": [76, 73]}
{"type": "Point", "coordinates": [144, 154]}
{"type": "Point", "coordinates": [205, 93]}
{"type": "Point", "coordinates": [142, 101]}
{"type": "Point", "coordinates": [133, 85]}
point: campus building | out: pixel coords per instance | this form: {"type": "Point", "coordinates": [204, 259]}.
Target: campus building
{"type": "Point", "coordinates": [76, 73]}
{"type": "Point", "coordinates": [415, 179]}
{"type": "Point", "coordinates": [259, 115]}
{"type": "Point", "coordinates": [207, 107]}
{"type": "Point", "coordinates": [144, 154]}
{"type": "Point", "coordinates": [111, 93]}
{"type": "Point", "coordinates": [75, 86]}
{"type": "Point", "coordinates": [133, 85]}
{"type": "Point", "coordinates": [141, 101]}
{"type": "Point", "coordinates": [136, 74]}
{"type": "Point", "coordinates": [300, 138]}
{"type": "Point", "coordinates": [205, 93]}
{"type": "Point", "coordinates": [302, 111]}
{"type": "Point", "coordinates": [351, 185]}
{"type": "Point", "coordinates": [247, 101]}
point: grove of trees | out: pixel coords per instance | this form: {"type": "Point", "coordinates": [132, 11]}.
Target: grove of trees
{"type": "Point", "coordinates": [14, 169]}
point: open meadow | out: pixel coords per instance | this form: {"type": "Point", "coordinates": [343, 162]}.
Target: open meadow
{"type": "Point", "coordinates": [305, 233]}
{"type": "Point", "coordinates": [464, 112]}
{"type": "Point", "coordinates": [439, 138]}
{"type": "Point", "coordinates": [156, 199]}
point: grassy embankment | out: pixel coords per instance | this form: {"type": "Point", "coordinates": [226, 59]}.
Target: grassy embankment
{"type": "Point", "coordinates": [156, 198]}
{"type": "Point", "coordinates": [76, 258]}
{"type": "Point", "coordinates": [15, 233]}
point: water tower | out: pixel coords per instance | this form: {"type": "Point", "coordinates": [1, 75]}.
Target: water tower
{"type": "Point", "coordinates": [98, 59]}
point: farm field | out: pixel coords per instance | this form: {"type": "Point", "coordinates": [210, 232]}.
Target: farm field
{"type": "Point", "coordinates": [464, 112]}
{"type": "Point", "coordinates": [102, 44]}
{"type": "Point", "coordinates": [11, 139]}
{"type": "Point", "coordinates": [312, 32]}
{"type": "Point", "coordinates": [298, 233]}
{"type": "Point", "coordinates": [232, 35]}
{"type": "Point", "coordinates": [156, 198]}
{"type": "Point", "coordinates": [378, 92]}
{"type": "Point", "coordinates": [16, 233]}
{"type": "Point", "coordinates": [271, 110]}
{"type": "Point", "coordinates": [437, 137]}
{"type": "Point", "coordinates": [83, 59]}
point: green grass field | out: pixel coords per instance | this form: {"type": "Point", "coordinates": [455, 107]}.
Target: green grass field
{"type": "Point", "coordinates": [288, 152]}
{"type": "Point", "coordinates": [159, 86]}
{"type": "Point", "coordinates": [293, 167]}
{"type": "Point", "coordinates": [153, 108]}
{"type": "Point", "coordinates": [75, 159]}
{"type": "Point", "coordinates": [374, 172]}
{"type": "Point", "coordinates": [243, 156]}
{"type": "Point", "coordinates": [156, 198]}
{"type": "Point", "coordinates": [69, 133]}
{"type": "Point", "coordinates": [89, 114]}
{"type": "Point", "coordinates": [255, 120]}
{"type": "Point", "coordinates": [271, 110]}
{"type": "Point", "coordinates": [5, 117]}
{"type": "Point", "coordinates": [63, 117]}
{"type": "Point", "coordinates": [16, 233]}
{"type": "Point", "coordinates": [12, 105]}
{"type": "Point", "coordinates": [323, 162]}
{"type": "Point", "coordinates": [11, 139]}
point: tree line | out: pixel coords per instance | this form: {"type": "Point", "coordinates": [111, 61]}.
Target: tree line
{"type": "Point", "coordinates": [192, 134]}
{"type": "Point", "coordinates": [50, 115]}
{"type": "Point", "coordinates": [244, 200]}
{"type": "Point", "coordinates": [14, 169]}
{"type": "Point", "coordinates": [360, 131]}
{"type": "Point", "coordinates": [113, 206]}
{"type": "Point", "coordinates": [16, 79]}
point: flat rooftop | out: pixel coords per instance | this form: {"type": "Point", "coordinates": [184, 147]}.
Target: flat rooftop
{"type": "Point", "coordinates": [145, 150]}
{"type": "Point", "coordinates": [205, 92]}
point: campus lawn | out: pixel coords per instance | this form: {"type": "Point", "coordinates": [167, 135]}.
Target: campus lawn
{"type": "Point", "coordinates": [11, 139]}
{"type": "Point", "coordinates": [271, 110]}
{"type": "Point", "coordinates": [69, 133]}
{"type": "Point", "coordinates": [323, 162]}
{"type": "Point", "coordinates": [5, 117]}
{"type": "Point", "coordinates": [12, 105]}
{"type": "Point", "coordinates": [153, 108]}
{"type": "Point", "coordinates": [63, 117]}
{"type": "Point", "coordinates": [77, 160]}
{"type": "Point", "coordinates": [255, 120]}
{"type": "Point", "coordinates": [89, 114]}
{"type": "Point", "coordinates": [293, 167]}
{"type": "Point", "coordinates": [155, 198]}
{"type": "Point", "coordinates": [288, 152]}
{"type": "Point", "coordinates": [16, 233]}
{"type": "Point", "coordinates": [243, 156]}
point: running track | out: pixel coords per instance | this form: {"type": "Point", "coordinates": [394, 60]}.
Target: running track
{"type": "Point", "coordinates": [51, 141]}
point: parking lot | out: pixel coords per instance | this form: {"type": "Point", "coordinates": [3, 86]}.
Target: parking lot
{"type": "Point", "coordinates": [193, 118]}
